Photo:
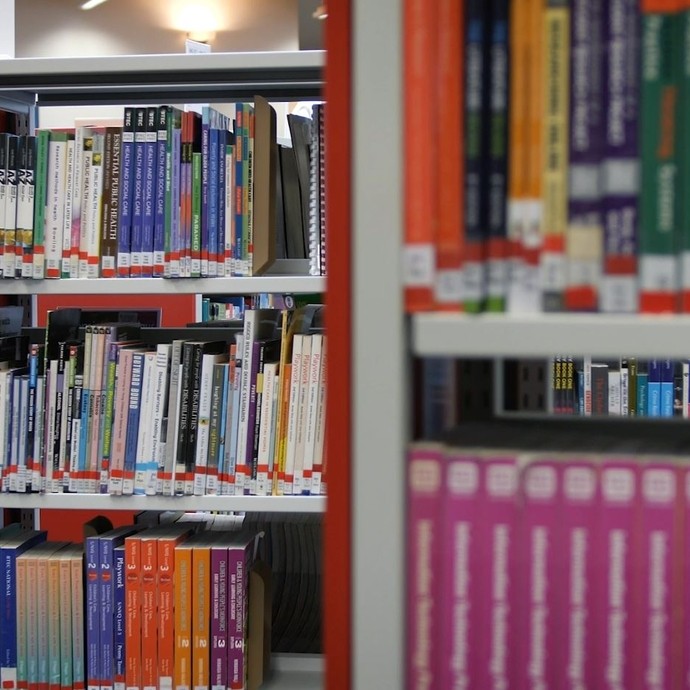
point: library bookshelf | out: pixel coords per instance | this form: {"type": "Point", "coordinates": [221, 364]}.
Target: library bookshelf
{"type": "Point", "coordinates": [26, 84]}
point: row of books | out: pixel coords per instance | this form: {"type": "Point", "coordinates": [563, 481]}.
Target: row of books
{"type": "Point", "coordinates": [163, 193]}
{"type": "Point", "coordinates": [98, 410]}
{"type": "Point", "coordinates": [135, 607]}
{"type": "Point", "coordinates": [529, 567]}
{"type": "Point", "coordinates": [219, 308]}
{"type": "Point", "coordinates": [553, 173]}
{"type": "Point", "coordinates": [627, 387]}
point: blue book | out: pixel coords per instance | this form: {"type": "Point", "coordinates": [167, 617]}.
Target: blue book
{"type": "Point", "coordinates": [133, 416]}
{"type": "Point", "coordinates": [234, 422]}
{"type": "Point", "coordinates": [119, 615]}
{"type": "Point", "coordinates": [10, 548]}
{"type": "Point", "coordinates": [109, 541]}
{"type": "Point", "coordinates": [666, 387]}
{"type": "Point", "coordinates": [642, 393]}
{"type": "Point", "coordinates": [161, 180]}
{"type": "Point", "coordinates": [149, 203]}
{"type": "Point", "coordinates": [240, 143]}
{"type": "Point", "coordinates": [581, 393]}
{"type": "Point", "coordinates": [223, 422]}
{"type": "Point", "coordinates": [214, 172]}
{"type": "Point", "coordinates": [126, 186]}
{"type": "Point", "coordinates": [206, 117]}
{"type": "Point", "coordinates": [137, 238]}
{"type": "Point", "coordinates": [92, 612]}
{"type": "Point", "coordinates": [654, 389]}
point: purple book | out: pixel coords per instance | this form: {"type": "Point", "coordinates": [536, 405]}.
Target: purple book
{"type": "Point", "coordinates": [219, 617]}
{"type": "Point", "coordinates": [539, 662]}
{"type": "Point", "coordinates": [136, 238]}
{"type": "Point", "coordinates": [92, 561]}
{"type": "Point", "coordinates": [119, 619]}
{"type": "Point", "coordinates": [460, 574]}
{"type": "Point", "coordinates": [239, 564]}
{"type": "Point", "coordinates": [620, 179]}
{"type": "Point", "coordinates": [614, 614]}
{"type": "Point", "coordinates": [149, 204]}
{"type": "Point", "coordinates": [585, 143]}
{"type": "Point", "coordinates": [660, 535]}
{"type": "Point", "coordinates": [579, 641]}
{"type": "Point", "coordinates": [497, 592]}
{"type": "Point", "coordinates": [425, 492]}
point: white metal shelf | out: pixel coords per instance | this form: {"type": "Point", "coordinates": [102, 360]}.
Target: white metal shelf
{"type": "Point", "coordinates": [139, 286]}
{"type": "Point", "coordinates": [545, 335]}
{"type": "Point", "coordinates": [296, 672]}
{"type": "Point", "coordinates": [259, 504]}
{"type": "Point", "coordinates": [158, 78]}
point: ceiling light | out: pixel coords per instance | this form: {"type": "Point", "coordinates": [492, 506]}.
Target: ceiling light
{"type": "Point", "coordinates": [90, 4]}
{"type": "Point", "coordinates": [320, 12]}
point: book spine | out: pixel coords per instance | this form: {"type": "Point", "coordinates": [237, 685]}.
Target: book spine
{"type": "Point", "coordinates": [237, 623]}
{"type": "Point", "coordinates": [175, 227]}
{"type": "Point", "coordinates": [119, 619]}
{"type": "Point", "coordinates": [105, 452]}
{"type": "Point", "coordinates": [159, 419]}
{"type": "Point", "coordinates": [166, 608]}
{"type": "Point", "coordinates": [419, 261]}
{"type": "Point", "coordinates": [26, 208]}
{"type": "Point", "coordinates": [424, 486]}
{"type": "Point", "coordinates": [206, 117]}
{"type": "Point", "coordinates": [248, 235]}
{"type": "Point", "coordinates": [223, 189]}
{"type": "Point", "coordinates": [65, 624]}
{"type": "Point", "coordinates": [497, 173]}
{"type": "Point", "coordinates": [93, 612]}
{"type": "Point", "coordinates": [149, 614]}
{"type": "Point", "coordinates": [183, 619]}
{"type": "Point", "coordinates": [67, 219]}
{"type": "Point", "coordinates": [214, 427]}
{"type": "Point", "coordinates": [96, 207]}
{"type": "Point", "coordinates": [107, 587]}
{"type": "Point", "coordinates": [138, 185]}
{"type": "Point", "coordinates": [219, 619]}
{"type": "Point", "coordinates": [162, 180]}
{"type": "Point", "coordinates": [143, 449]}
{"type": "Point", "coordinates": [10, 221]}
{"type": "Point", "coordinates": [620, 174]}
{"type": "Point", "coordinates": [201, 618]}
{"type": "Point", "coordinates": [659, 198]}
{"type": "Point", "coordinates": [132, 613]}
{"type": "Point", "coordinates": [133, 417]}
{"type": "Point", "coordinates": [55, 203]}
{"type": "Point", "coordinates": [40, 204]}
{"type": "Point", "coordinates": [126, 196]}
{"type": "Point", "coordinates": [583, 235]}
{"type": "Point", "coordinates": [111, 203]}
{"type": "Point", "coordinates": [149, 192]}
{"type": "Point", "coordinates": [213, 184]}
{"type": "Point", "coordinates": [78, 647]}
{"type": "Point", "coordinates": [196, 215]}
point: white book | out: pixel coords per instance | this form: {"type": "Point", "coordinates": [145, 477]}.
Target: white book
{"type": "Point", "coordinates": [3, 200]}
{"type": "Point", "coordinates": [15, 410]}
{"type": "Point", "coordinates": [12, 182]}
{"type": "Point", "coordinates": [74, 476]}
{"type": "Point", "coordinates": [587, 377]}
{"type": "Point", "coordinates": [67, 220]}
{"type": "Point", "coordinates": [144, 457]}
{"type": "Point", "coordinates": [320, 431]}
{"type": "Point", "coordinates": [22, 474]}
{"type": "Point", "coordinates": [160, 403]}
{"type": "Point", "coordinates": [293, 414]}
{"type": "Point", "coordinates": [87, 194]}
{"type": "Point", "coordinates": [64, 460]}
{"type": "Point", "coordinates": [313, 392]}
{"type": "Point", "coordinates": [55, 204]}
{"type": "Point", "coordinates": [25, 211]}
{"type": "Point", "coordinates": [614, 393]}
{"type": "Point", "coordinates": [250, 332]}
{"type": "Point", "coordinates": [266, 426]}
{"type": "Point", "coordinates": [93, 246]}
{"type": "Point", "coordinates": [51, 391]}
{"type": "Point", "coordinates": [39, 432]}
{"type": "Point", "coordinates": [204, 421]}
{"type": "Point", "coordinates": [625, 388]}
{"type": "Point", "coordinates": [300, 484]}
{"type": "Point", "coordinates": [273, 449]}
{"type": "Point", "coordinates": [174, 391]}
{"type": "Point", "coordinates": [78, 182]}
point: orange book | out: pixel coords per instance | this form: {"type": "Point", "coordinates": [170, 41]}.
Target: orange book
{"type": "Point", "coordinates": [201, 615]}
{"type": "Point", "coordinates": [166, 608]}
{"type": "Point", "coordinates": [451, 156]}
{"type": "Point", "coordinates": [133, 612]}
{"type": "Point", "coordinates": [420, 206]}
{"type": "Point", "coordinates": [183, 615]}
{"type": "Point", "coordinates": [149, 612]}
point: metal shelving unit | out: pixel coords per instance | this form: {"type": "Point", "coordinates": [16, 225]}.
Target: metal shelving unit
{"type": "Point", "coordinates": [543, 335]}
{"type": "Point", "coordinates": [261, 504]}
{"type": "Point", "coordinates": [28, 83]}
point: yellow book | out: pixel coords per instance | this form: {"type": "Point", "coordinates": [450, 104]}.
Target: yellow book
{"type": "Point", "coordinates": [201, 614]}
{"type": "Point", "coordinates": [183, 615]}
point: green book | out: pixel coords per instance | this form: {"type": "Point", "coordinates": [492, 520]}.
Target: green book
{"type": "Point", "coordinates": [39, 255]}
{"type": "Point", "coordinates": [196, 212]}
{"type": "Point", "coordinates": [683, 225]}
{"type": "Point", "coordinates": [659, 199]}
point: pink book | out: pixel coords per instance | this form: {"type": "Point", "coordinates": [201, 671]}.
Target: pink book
{"type": "Point", "coordinates": [494, 615]}
{"type": "Point", "coordinates": [578, 484]}
{"type": "Point", "coordinates": [425, 482]}
{"type": "Point", "coordinates": [614, 613]}
{"type": "Point", "coordinates": [539, 632]}
{"type": "Point", "coordinates": [460, 581]}
{"type": "Point", "coordinates": [659, 526]}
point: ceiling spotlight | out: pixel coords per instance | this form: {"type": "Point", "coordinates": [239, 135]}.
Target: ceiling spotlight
{"type": "Point", "coordinates": [320, 12]}
{"type": "Point", "coordinates": [90, 4]}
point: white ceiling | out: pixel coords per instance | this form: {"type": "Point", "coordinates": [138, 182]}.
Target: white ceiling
{"type": "Point", "coordinates": [51, 28]}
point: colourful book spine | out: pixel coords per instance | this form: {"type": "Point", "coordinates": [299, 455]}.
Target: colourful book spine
{"type": "Point", "coordinates": [419, 261]}
{"type": "Point", "coordinates": [93, 612]}
{"type": "Point", "coordinates": [70, 170]}
{"type": "Point", "coordinates": [425, 482]}
{"type": "Point", "coordinates": [175, 227]}
{"type": "Point", "coordinates": [55, 202]}
{"type": "Point", "coordinates": [683, 230]}
{"type": "Point", "coordinates": [583, 234]}
{"type": "Point", "coordinates": [206, 117]}
{"type": "Point", "coordinates": [239, 195]}
{"type": "Point", "coordinates": [201, 609]}
{"type": "Point", "coordinates": [196, 215]}
{"type": "Point", "coordinates": [497, 248]}
{"type": "Point", "coordinates": [666, 388]}
{"type": "Point", "coordinates": [132, 613]}
{"type": "Point", "coordinates": [613, 615]}
{"type": "Point", "coordinates": [620, 176]}
{"type": "Point", "coordinates": [133, 417]}
{"type": "Point", "coordinates": [10, 220]}
{"type": "Point", "coordinates": [26, 207]}
{"type": "Point", "coordinates": [119, 619]}
{"type": "Point", "coordinates": [162, 178]}
{"type": "Point", "coordinates": [40, 204]}
{"type": "Point", "coordinates": [450, 132]}
{"type": "Point", "coordinates": [126, 196]}
{"type": "Point", "coordinates": [138, 186]}
{"type": "Point", "coordinates": [54, 631]}
{"type": "Point", "coordinates": [149, 192]}
{"type": "Point", "coordinates": [149, 614]}
{"type": "Point", "coordinates": [66, 618]}
{"type": "Point", "coordinates": [238, 573]}
{"type": "Point", "coordinates": [111, 202]}
{"type": "Point", "coordinates": [219, 618]}
{"type": "Point", "coordinates": [221, 195]}
{"type": "Point", "coordinates": [213, 202]}
{"type": "Point", "coordinates": [22, 625]}
{"type": "Point", "coordinates": [659, 198]}
{"type": "Point", "coordinates": [78, 646]}
{"type": "Point", "coordinates": [183, 617]}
